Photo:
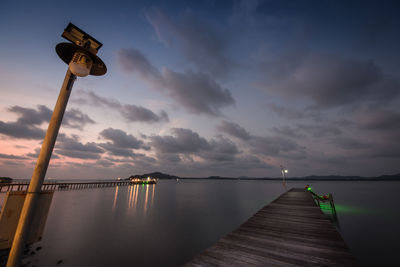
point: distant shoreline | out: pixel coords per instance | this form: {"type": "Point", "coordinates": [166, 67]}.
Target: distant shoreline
{"type": "Point", "coordinates": [163, 176]}
{"type": "Point", "coordinates": [159, 175]}
{"type": "Point", "coordinates": [293, 179]}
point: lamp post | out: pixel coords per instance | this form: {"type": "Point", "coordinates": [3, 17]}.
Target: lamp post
{"type": "Point", "coordinates": [81, 57]}
{"type": "Point", "coordinates": [284, 171]}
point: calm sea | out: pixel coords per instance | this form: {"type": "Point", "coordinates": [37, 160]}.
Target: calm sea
{"type": "Point", "coordinates": [168, 223]}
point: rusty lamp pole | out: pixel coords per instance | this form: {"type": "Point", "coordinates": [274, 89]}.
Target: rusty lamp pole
{"type": "Point", "coordinates": [80, 55]}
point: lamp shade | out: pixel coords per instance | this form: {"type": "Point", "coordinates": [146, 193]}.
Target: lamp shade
{"type": "Point", "coordinates": [66, 51]}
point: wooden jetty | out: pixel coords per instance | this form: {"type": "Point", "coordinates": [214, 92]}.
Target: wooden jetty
{"type": "Point", "coordinates": [63, 186]}
{"type": "Point", "coordinates": [290, 231]}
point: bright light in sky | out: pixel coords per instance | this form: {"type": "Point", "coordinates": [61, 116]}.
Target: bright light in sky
{"type": "Point", "coordinates": [201, 88]}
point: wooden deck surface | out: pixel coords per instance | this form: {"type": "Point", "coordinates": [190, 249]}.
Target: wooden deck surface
{"type": "Point", "coordinates": [290, 231]}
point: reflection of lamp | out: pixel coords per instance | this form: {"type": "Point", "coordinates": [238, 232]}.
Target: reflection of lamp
{"type": "Point", "coordinates": [81, 57]}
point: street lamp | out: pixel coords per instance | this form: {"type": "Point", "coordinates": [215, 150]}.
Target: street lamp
{"type": "Point", "coordinates": [284, 171]}
{"type": "Point", "coordinates": [80, 55]}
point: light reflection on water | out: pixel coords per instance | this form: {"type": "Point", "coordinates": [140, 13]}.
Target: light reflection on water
{"type": "Point", "coordinates": [343, 209]}
{"type": "Point", "coordinates": [115, 197]}
{"type": "Point", "coordinates": [168, 223]}
{"type": "Point", "coordinates": [146, 225]}
{"type": "Point", "coordinates": [134, 191]}
{"type": "Point", "coordinates": [142, 194]}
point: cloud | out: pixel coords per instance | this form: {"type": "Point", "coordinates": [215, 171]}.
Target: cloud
{"type": "Point", "coordinates": [233, 129]}
{"type": "Point", "coordinates": [378, 119]}
{"type": "Point", "coordinates": [380, 127]}
{"type": "Point", "coordinates": [71, 147]}
{"type": "Point", "coordinates": [105, 163]}
{"type": "Point", "coordinates": [384, 150]}
{"type": "Point", "coordinates": [131, 113]}
{"type": "Point", "coordinates": [27, 123]}
{"type": "Point", "coordinates": [264, 145]}
{"type": "Point", "coordinates": [121, 143]}
{"type": "Point", "coordinates": [10, 156]}
{"type": "Point", "coordinates": [168, 158]}
{"type": "Point", "coordinates": [93, 99]}
{"type": "Point", "coordinates": [221, 149]}
{"type": "Point", "coordinates": [349, 143]}
{"type": "Point", "coordinates": [201, 43]}
{"type": "Point", "coordinates": [132, 60]}
{"type": "Point", "coordinates": [18, 130]}
{"type": "Point", "coordinates": [29, 120]}
{"type": "Point", "coordinates": [288, 132]}
{"type": "Point", "coordinates": [29, 116]}
{"type": "Point", "coordinates": [182, 141]}
{"type": "Point", "coordinates": [137, 113]}
{"type": "Point", "coordinates": [276, 146]}
{"type": "Point", "coordinates": [195, 91]}
{"type": "Point", "coordinates": [322, 158]}
{"type": "Point", "coordinates": [319, 130]}
{"type": "Point", "coordinates": [37, 151]}
{"type": "Point", "coordinates": [286, 112]}
{"type": "Point", "coordinates": [117, 151]}
{"type": "Point", "coordinates": [188, 152]}
{"type": "Point", "coordinates": [74, 118]}
{"type": "Point", "coordinates": [119, 138]}
{"type": "Point", "coordinates": [328, 80]}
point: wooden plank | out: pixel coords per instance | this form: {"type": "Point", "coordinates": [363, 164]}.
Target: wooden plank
{"type": "Point", "coordinates": [291, 231]}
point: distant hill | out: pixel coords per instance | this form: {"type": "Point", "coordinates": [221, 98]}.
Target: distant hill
{"type": "Point", "coordinates": [157, 175]}
{"type": "Point", "coordinates": [5, 180]}
{"type": "Point", "coordinates": [395, 177]}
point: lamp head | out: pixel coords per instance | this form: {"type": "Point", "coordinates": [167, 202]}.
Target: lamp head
{"type": "Point", "coordinates": [77, 56]}
{"type": "Point", "coordinates": [80, 54]}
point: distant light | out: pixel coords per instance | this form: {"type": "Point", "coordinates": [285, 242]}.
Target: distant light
{"type": "Point", "coordinates": [286, 171]}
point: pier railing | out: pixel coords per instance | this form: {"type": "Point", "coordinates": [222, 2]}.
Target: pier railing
{"type": "Point", "coordinates": [6, 187]}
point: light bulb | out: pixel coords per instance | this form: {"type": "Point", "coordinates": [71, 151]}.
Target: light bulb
{"type": "Point", "coordinates": [81, 64]}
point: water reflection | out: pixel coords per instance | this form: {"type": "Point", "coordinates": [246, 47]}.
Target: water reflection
{"type": "Point", "coordinates": [147, 195]}
{"type": "Point", "coordinates": [152, 196]}
{"type": "Point", "coordinates": [115, 197]}
{"type": "Point", "coordinates": [136, 194]}
{"type": "Point", "coordinates": [131, 193]}
{"type": "Point", "coordinates": [193, 214]}
{"type": "Point", "coordinates": [351, 209]}
{"type": "Point", "coordinates": [134, 198]}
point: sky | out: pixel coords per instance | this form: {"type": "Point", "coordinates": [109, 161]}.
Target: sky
{"type": "Point", "coordinates": [201, 88]}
